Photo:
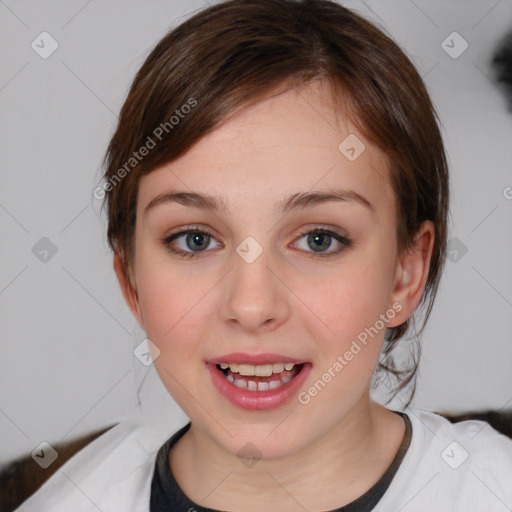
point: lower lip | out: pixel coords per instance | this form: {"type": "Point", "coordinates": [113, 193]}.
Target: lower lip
{"type": "Point", "coordinates": [257, 400]}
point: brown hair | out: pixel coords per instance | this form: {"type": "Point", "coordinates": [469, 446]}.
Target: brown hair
{"type": "Point", "coordinates": [230, 56]}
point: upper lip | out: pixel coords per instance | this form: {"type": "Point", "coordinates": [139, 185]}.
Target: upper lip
{"type": "Point", "coordinates": [254, 359]}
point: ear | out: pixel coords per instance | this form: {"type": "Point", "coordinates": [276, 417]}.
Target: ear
{"type": "Point", "coordinates": [128, 288]}
{"type": "Point", "coordinates": [411, 273]}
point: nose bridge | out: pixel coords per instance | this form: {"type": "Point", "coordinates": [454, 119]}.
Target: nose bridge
{"type": "Point", "coordinates": [254, 297]}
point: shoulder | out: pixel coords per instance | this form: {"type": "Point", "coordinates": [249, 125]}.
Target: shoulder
{"type": "Point", "coordinates": [472, 443]}
{"type": "Point", "coordinates": [112, 473]}
{"type": "Point", "coordinates": [451, 466]}
{"type": "Point", "coordinates": [69, 484]}
{"type": "Point", "coordinates": [475, 447]}
{"type": "Point", "coordinates": [21, 478]}
{"type": "Point", "coordinates": [476, 437]}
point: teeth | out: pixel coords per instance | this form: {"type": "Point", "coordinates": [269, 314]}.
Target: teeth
{"type": "Point", "coordinates": [239, 383]}
{"type": "Point", "coordinates": [252, 386]}
{"type": "Point", "coordinates": [263, 386]}
{"type": "Point", "coordinates": [288, 378]}
{"type": "Point", "coordinates": [258, 386]}
{"type": "Point", "coordinates": [260, 370]}
{"type": "Point", "coordinates": [263, 370]}
{"type": "Point", "coordinates": [278, 368]}
{"type": "Point", "coordinates": [245, 369]}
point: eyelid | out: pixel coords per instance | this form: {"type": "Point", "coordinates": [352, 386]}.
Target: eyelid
{"type": "Point", "coordinates": [185, 230]}
{"type": "Point", "coordinates": [192, 228]}
{"type": "Point", "coordinates": [343, 240]}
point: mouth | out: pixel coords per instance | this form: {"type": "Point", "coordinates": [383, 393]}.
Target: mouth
{"type": "Point", "coordinates": [258, 386]}
{"type": "Point", "coordinates": [259, 377]}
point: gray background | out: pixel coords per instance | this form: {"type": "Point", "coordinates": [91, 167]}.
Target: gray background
{"type": "Point", "coordinates": [67, 365]}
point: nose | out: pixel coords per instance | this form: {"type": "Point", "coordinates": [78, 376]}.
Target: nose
{"type": "Point", "coordinates": [254, 298]}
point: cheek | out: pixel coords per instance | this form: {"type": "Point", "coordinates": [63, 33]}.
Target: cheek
{"type": "Point", "coordinates": [348, 301]}
{"type": "Point", "coordinates": [347, 324]}
{"type": "Point", "coordinates": [176, 319]}
{"type": "Point", "coordinates": [172, 301]}
{"type": "Point", "coordinates": [349, 336]}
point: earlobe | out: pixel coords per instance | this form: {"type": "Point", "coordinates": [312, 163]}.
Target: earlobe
{"type": "Point", "coordinates": [128, 287]}
{"type": "Point", "coordinates": [412, 272]}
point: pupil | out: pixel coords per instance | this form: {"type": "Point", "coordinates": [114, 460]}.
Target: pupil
{"type": "Point", "coordinates": [319, 241]}
{"type": "Point", "coordinates": [197, 241]}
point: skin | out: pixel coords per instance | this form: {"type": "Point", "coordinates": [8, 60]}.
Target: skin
{"type": "Point", "coordinates": [290, 300]}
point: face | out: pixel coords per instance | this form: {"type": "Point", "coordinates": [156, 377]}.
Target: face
{"type": "Point", "coordinates": [265, 244]}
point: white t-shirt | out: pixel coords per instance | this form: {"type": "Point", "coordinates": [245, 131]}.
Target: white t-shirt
{"type": "Point", "coordinates": [465, 466]}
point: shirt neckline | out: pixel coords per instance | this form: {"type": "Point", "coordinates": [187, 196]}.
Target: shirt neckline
{"type": "Point", "coordinates": [175, 499]}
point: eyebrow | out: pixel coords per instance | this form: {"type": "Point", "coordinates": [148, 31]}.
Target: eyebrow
{"type": "Point", "coordinates": [294, 201]}
{"type": "Point", "coordinates": [305, 199]}
{"type": "Point", "coordinates": [205, 201]}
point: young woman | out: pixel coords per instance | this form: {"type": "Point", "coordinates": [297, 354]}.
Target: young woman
{"type": "Point", "coordinates": [277, 194]}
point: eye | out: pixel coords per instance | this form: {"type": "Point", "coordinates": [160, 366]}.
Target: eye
{"type": "Point", "coordinates": [322, 242]}
{"type": "Point", "coordinates": [190, 241]}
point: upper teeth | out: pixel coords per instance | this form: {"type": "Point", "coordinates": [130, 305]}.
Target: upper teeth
{"type": "Point", "coordinates": [260, 370]}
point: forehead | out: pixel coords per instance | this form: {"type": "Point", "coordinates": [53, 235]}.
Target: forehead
{"type": "Point", "coordinates": [290, 142]}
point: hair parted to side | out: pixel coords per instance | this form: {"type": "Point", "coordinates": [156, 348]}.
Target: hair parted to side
{"type": "Point", "coordinates": [237, 52]}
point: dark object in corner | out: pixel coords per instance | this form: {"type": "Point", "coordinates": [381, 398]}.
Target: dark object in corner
{"type": "Point", "coordinates": [498, 420]}
{"type": "Point", "coordinates": [23, 477]}
{"type": "Point", "coordinates": [502, 66]}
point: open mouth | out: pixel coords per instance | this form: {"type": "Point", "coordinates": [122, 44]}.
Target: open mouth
{"type": "Point", "coordinates": [260, 377]}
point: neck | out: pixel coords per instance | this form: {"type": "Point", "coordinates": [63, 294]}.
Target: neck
{"type": "Point", "coordinates": [343, 464]}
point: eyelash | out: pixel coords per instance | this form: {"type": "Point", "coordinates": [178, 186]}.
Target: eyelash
{"type": "Point", "coordinates": [167, 241]}
{"type": "Point", "coordinates": [343, 240]}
